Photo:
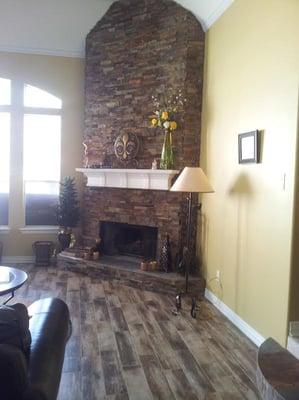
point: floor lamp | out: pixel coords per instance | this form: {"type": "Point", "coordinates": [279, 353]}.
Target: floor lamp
{"type": "Point", "coordinates": [191, 180]}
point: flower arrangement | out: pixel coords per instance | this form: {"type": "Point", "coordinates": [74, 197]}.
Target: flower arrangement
{"type": "Point", "coordinates": [166, 106]}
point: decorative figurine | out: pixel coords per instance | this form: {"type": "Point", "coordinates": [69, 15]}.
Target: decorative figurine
{"type": "Point", "coordinates": [178, 302]}
{"type": "Point", "coordinates": [86, 153]}
{"type": "Point", "coordinates": [73, 241]}
{"type": "Point", "coordinates": [126, 146]}
{"type": "Point", "coordinates": [165, 261]}
{"type": "Point", "coordinates": [154, 164]}
{"type": "Point", "coordinates": [152, 266]}
{"type": "Point", "coordinates": [143, 266]}
{"type": "Point", "coordinates": [178, 305]}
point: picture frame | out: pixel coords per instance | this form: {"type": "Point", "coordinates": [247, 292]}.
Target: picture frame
{"type": "Point", "coordinates": [248, 147]}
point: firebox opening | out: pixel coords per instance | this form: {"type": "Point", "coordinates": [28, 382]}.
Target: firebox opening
{"type": "Point", "coordinates": [130, 240]}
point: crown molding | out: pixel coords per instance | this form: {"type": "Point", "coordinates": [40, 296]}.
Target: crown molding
{"type": "Point", "coordinates": [223, 6]}
{"type": "Point", "coordinates": [42, 52]}
{"type": "Point", "coordinates": [205, 22]}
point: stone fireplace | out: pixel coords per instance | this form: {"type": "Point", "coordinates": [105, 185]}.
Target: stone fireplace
{"type": "Point", "coordinates": [140, 46]}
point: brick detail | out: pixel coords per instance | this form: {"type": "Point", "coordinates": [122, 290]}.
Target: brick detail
{"type": "Point", "coordinates": [137, 47]}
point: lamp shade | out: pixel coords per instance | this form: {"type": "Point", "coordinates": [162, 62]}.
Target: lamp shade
{"type": "Point", "coordinates": [192, 180]}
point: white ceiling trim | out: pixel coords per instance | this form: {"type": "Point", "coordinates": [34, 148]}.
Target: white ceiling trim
{"type": "Point", "coordinates": [53, 34]}
{"type": "Point", "coordinates": [223, 6]}
{"type": "Point", "coordinates": [42, 52]}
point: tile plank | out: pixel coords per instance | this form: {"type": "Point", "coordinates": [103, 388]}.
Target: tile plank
{"type": "Point", "coordinates": [156, 378]}
{"type": "Point", "coordinates": [114, 382]}
{"type": "Point", "coordinates": [126, 351]}
{"type": "Point", "coordinates": [127, 345]}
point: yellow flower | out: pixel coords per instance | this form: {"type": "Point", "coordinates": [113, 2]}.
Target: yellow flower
{"type": "Point", "coordinates": [154, 122]}
{"type": "Point", "coordinates": [173, 125]}
{"type": "Point", "coordinates": [164, 115]}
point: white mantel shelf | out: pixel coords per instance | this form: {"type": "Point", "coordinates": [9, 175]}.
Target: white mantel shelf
{"type": "Point", "coordinates": [150, 179]}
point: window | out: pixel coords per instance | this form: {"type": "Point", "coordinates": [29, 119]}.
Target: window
{"type": "Point", "coordinates": [5, 92]}
{"type": "Point", "coordinates": [32, 117]}
{"type": "Point", "coordinates": [35, 97]}
{"type": "Point", "coordinates": [5, 95]}
{"type": "Point", "coordinates": [41, 172]}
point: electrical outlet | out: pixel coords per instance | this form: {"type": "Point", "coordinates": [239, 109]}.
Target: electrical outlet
{"type": "Point", "coordinates": [218, 274]}
{"type": "Point", "coordinates": [283, 181]}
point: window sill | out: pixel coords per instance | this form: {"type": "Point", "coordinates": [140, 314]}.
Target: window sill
{"type": "Point", "coordinates": [39, 229]}
{"type": "Point", "coordinates": [4, 229]}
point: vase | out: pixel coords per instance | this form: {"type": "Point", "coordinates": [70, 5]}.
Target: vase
{"type": "Point", "coordinates": [165, 260]}
{"type": "Point", "coordinates": [166, 161]}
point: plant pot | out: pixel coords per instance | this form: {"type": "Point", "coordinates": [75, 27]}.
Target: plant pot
{"type": "Point", "coordinates": [64, 239]}
{"type": "Point", "coordinates": [167, 161]}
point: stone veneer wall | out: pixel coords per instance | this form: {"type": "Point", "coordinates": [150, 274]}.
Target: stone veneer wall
{"type": "Point", "coordinates": [140, 46]}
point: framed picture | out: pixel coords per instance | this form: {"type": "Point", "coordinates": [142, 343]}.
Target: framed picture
{"type": "Point", "coordinates": [248, 147]}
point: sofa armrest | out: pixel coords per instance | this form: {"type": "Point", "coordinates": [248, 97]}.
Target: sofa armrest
{"type": "Point", "coordinates": [277, 372]}
{"type": "Point", "coordinates": [50, 329]}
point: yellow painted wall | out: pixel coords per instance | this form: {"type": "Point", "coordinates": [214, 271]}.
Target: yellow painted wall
{"type": "Point", "coordinates": [251, 82]}
{"type": "Point", "coordinates": [64, 78]}
{"type": "Point", "coordinates": [294, 292]}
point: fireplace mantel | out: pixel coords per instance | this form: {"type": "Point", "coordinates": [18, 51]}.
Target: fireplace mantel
{"type": "Point", "coordinates": [150, 179]}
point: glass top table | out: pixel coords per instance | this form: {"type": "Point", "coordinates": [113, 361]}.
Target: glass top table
{"type": "Point", "coordinates": [11, 279]}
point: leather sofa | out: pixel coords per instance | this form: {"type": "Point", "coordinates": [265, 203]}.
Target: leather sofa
{"type": "Point", "coordinates": [277, 372]}
{"type": "Point", "coordinates": [37, 376]}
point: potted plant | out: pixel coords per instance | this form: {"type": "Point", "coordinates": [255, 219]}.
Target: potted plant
{"type": "Point", "coordinates": [68, 212]}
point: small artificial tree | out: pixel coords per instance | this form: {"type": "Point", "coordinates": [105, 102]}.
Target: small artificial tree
{"type": "Point", "coordinates": [68, 212]}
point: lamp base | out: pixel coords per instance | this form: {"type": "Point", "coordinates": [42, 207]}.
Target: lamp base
{"type": "Point", "coordinates": [186, 303]}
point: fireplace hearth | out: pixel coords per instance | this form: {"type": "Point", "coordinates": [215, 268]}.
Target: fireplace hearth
{"type": "Point", "coordinates": [126, 270]}
{"type": "Point", "coordinates": [128, 240]}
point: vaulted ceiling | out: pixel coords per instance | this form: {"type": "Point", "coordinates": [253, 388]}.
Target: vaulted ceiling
{"type": "Point", "coordinates": [59, 27]}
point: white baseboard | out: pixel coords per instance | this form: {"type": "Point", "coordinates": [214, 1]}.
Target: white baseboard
{"type": "Point", "coordinates": [251, 333]}
{"type": "Point", "coordinates": [294, 329]}
{"type": "Point", "coordinates": [293, 346]}
{"type": "Point", "coordinates": [17, 260]}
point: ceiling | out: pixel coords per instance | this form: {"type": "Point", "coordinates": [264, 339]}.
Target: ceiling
{"type": "Point", "coordinates": [59, 27]}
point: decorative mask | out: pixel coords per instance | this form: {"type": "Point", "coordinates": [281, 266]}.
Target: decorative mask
{"type": "Point", "coordinates": [126, 146]}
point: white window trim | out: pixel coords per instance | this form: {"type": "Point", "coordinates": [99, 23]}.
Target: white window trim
{"type": "Point", "coordinates": [40, 229]}
{"type": "Point", "coordinates": [17, 108]}
{"type": "Point", "coordinates": [42, 110]}
{"type": "Point", "coordinates": [4, 229]}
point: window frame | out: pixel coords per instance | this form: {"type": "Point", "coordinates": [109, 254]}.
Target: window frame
{"type": "Point", "coordinates": [7, 108]}
{"type": "Point", "coordinates": [17, 111]}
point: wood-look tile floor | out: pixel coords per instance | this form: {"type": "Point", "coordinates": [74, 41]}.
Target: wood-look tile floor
{"type": "Point", "coordinates": [127, 345]}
